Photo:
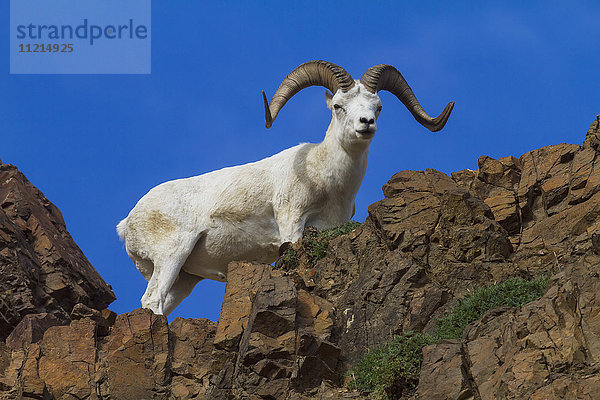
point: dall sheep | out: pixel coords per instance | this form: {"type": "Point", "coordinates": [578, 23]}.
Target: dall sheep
{"type": "Point", "coordinates": [185, 230]}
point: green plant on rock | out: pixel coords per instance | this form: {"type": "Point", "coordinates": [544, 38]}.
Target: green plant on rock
{"type": "Point", "coordinates": [290, 257]}
{"type": "Point", "coordinates": [316, 244]}
{"type": "Point", "coordinates": [513, 292]}
{"type": "Point", "coordinates": [392, 370]}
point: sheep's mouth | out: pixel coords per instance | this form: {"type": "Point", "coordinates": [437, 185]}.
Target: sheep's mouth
{"type": "Point", "coordinates": [366, 133]}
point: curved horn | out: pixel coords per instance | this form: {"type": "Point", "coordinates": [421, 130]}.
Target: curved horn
{"type": "Point", "coordinates": [386, 77]}
{"type": "Point", "coordinates": [311, 73]}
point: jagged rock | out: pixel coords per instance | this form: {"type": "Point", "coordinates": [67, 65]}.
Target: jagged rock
{"type": "Point", "coordinates": [547, 349]}
{"type": "Point", "coordinates": [279, 335]}
{"type": "Point", "coordinates": [283, 349]}
{"type": "Point", "coordinates": [41, 269]}
{"type": "Point", "coordinates": [104, 319]}
{"type": "Point", "coordinates": [442, 374]}
{"type": "Point", "coordinates": [428, 241]}
{"type": "Point", "coordinates": [31, 330]}
{"type": "Point", "coordinates": [194, 358]}
{"type": "Point", "coordinates": [137, 349]}
{"type": "Point", "coordinates": [592, 138]}
{"type": "Point", "coordinates": [142, 358]}
{"type": "Point", "coordinates": [292, 332]}
{"type": "Point", "coordinates": [237, 305]}
{"type": "Point", "coordinates": [435, 237]}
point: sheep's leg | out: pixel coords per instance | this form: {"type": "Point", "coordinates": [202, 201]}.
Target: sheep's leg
{"type": "Point", "coordinates": [144, 266]}
{"type": "Point", "coordinates": [164, 276]}
{"type": "Point", "coordinates": [181, 289]}
{"type": "Point", "coordinates": [149, 294]}
{"type": "Point", "coordinates": [290, 230]}
{"type": "Point", "coordinates": [166, 270]}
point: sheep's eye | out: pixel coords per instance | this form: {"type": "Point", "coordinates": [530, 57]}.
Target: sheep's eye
{"type": "Point", "coordinates": [338, 107]}
{"type": "Point", "coordinates": [379, 108]}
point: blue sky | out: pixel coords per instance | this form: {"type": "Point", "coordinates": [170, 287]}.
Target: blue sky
{"type": "Point", "coordinates": [522, 77]}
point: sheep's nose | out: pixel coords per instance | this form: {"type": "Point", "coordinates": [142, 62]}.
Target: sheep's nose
{"type": "Point", "coordinates": [367, 121]}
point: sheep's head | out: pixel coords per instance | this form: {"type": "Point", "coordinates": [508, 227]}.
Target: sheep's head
{"type": "Point", "coordinates": [355, 104]}
{"type": "Point", "coordinates": [355, 112]}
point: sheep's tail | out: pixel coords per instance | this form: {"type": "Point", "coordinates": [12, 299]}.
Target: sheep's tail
{"type": "Point", "coordinates": [121, 229]}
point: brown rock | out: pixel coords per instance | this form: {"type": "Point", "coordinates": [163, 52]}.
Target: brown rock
{"type": "Point", "coordinates": [59, 366]}
{"type": "Point", "coordinates": [194, 358]}
{"type": "Point", "coordinates": [136, 356]}
{"type": "Point", "coordinates": [291, 332]}
{"type": "Point", "coordinates": [31, 330]}
{"type": "Point", "coordinates": [68, 355]}
{"type": "Point", "coordinates": [283, 348]}
{"type": "Point", "coordinates": [547, 349]}
{"type": "Point", "coordinates": [592, 138]}
{"type": "Point", "coordinates": [441, 374]}
{"type": "Point", "coordinates": [5, 362]}
{"type": "Point", "coordinates": [503, 173]}
{"type": "Point", "coordinates": [141, 358]}
{"type": "Point", "coordinates": [577, 387]}
{"type": "Point", "coordinates": [409, 212]}
{"type": "Point", "coordinates": [505, 208]}
{"type": "Point", "coordinates": [104, 319]}
{"type": "Point", "coordinates": [41, 268]}
{"type": "Point", "coordinates": [109, 316]}
{"type": "Point", "coordinates": [236, 307]}
{"type": "Point", "coordinates": [30, 384]}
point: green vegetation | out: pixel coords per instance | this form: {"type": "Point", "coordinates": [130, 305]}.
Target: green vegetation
{"type": "Point", "coordinates": [513, 292]}
{"type": "Point", "coordinates": [316, 243]}
{"type": "Point", "coordinates": [393, 369]}
{"type": "Point", "coordinates": [290, 257]}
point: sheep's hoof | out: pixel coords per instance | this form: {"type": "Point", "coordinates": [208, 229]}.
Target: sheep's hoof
{"type": "Point", "coordinates": [153, 305]}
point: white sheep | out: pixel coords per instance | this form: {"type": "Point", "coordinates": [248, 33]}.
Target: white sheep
{"type": "Point", "coordinates": [188, 229]}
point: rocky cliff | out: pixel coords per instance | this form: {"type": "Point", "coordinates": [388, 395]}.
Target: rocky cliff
{"type": "Point", "coordinates": [292, 331]}
{"type": "Point", "coordinates": [41, 269]}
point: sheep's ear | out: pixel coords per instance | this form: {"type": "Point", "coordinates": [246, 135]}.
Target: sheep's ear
{"type": "Point", "coordinates": [328, 99]}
